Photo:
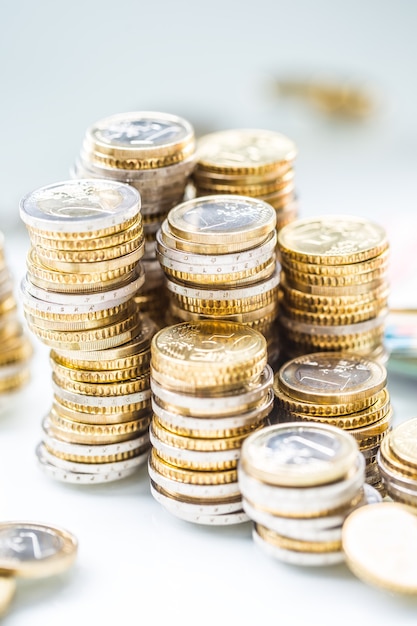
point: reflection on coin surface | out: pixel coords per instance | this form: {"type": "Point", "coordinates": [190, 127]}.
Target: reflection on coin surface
{"type": "Point", "coordinates": [380, 544]}
{"type": "Point", "coordinates": [7, 591]}
{"type": "Point", "coordinates": [299, 455]}
{"type": "Point", "coordinates": [403, 441]}
{"type": "Point", "coordinates": [79, 205]}
{"type": "Point", "coordinates": [33, 550]}
{"type": "Point", "coordinates": [331, 377]}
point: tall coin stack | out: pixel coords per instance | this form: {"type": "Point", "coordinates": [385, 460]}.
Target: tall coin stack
{"type": "Point", "coordinates": [155, 153]}
{"type": "Point", "coordinates": [83, 271]}
{"type": "Point", "coordinates": [249, 162]}
{"type": "Point", "coordinates": [219, 257]}
{"type": "Point", "coordinates": [211, 387]}
{"type": "Point", "coordinates": [16, 348]}
{"type": "Point", "coordinates": [344, 390]}
{"type": "Point", "coordinates": [397, 461]}
{"type": "Point", "coordinates": [334, 286]}
{"type": "Point", "coordinates": [299, 482]}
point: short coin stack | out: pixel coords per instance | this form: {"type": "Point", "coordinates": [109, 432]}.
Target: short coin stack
{"type": "Point", "coordinates": [397, 460]}
{"type": "Point", "coordinates": [334, 286]}
{"type": "Point", "coordinates": [299, 482]}
{"type": "Point", "coordinates": [219, 257]}
{"type": "Point", "coordinates": [16, 348]}
{"type": "Point", "coordinates": [83, 271]}
{"type": "Point", "coordinates": [155, 153]}
{"type": "Point", "coordinates": [342, 389]}
{"type": "Point", "coordinates": [249, 162]}
{"type": "Point", "coordinates": [211, 388]}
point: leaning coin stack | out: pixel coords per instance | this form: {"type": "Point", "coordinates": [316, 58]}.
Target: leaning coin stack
{"type": "Point", "coordinates": [83, 270]}
{"type": "Point", "coordinates": [397, 461]}
{"type": "Point", "coordinates": [155, 153]}
{"type": "Point", "coordinates": [299, 482]}
{"type": "Point", "coordinates": [16, 348]}
{"type": "Point", "coordinates": [341, 389]}
{"type": "Point", "coordinates": [219, 257]}
{"type": "Point", "coordinates": [334, 287]}
{"type": "Point", "coordinates": [249, 162]}
{"type": "Point", "coordinates": [211, 387]}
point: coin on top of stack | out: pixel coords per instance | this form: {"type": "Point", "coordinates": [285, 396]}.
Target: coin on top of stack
{"type": "Point", "coordinates": [299, 482]}
{"type": "Point", "coordinates": [341, 389]}
{"type": "Point", "coordinates": [16, 348]}
{"type": "Point", "coordinates": [218, 254]}
{"type": "Point", "coordinates": [249, 162]}
{"type": "Point", "coordinates": [155, 153]}
{"type": "Point", "coordinates": [397, 462]}
{"type": "Point", "coordinates": [83, 271]}
{"type": "Point", "coordinates": [334, 285]}
{"type": "Point", "coordinates": [211, 387]}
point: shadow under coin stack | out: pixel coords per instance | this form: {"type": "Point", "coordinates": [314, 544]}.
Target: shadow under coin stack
{"type": "Point", "coordinates": [344, 390]}
{"type": "Point", "coordinates": [334, 287]}
{"type": "Point", "coordinates": [397, 461]}
{"type": "Point", "coordinates": [155, 153]}
{"type": "Point", "coordinates": [211, 388]}
{"type": "Point", "coordinates": [219, 257]}
{"type": "Point", "coordinates": [15, 346]}
{"type": "Point", "coordinates": [249, 162]}
{"type": "Point", "coordinates": [83, 270]}
{"type": "Point", "coordinates": [299, 482]}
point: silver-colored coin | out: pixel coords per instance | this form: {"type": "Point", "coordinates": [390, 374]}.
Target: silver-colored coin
{"type": "Point", "coordinates": [189, 490]}
{"type": "Point", "coordinates": [231, 293]}
{"type": "Point", "coordinates": [195, 457]}
{"type": "Point", "coordinates": [310, 500]}
{"type": "Point", "coordinates": [299, 558]}
{"type": "Point", "coordinates": [83, 478]}
{"type": "Point", "coordinates": [296, 454]}
{"type": "Point", "coordinates": [75, 206]}
{"type": "Point", "coordinates": [340, 330]}
{"type": "Point", "coordinates": [95, 300]}
{"type": "Point", "coordinates": [65, 447]}
{"type": "Point", "coordinates": [221, 405]}
{"type": "Point", "coordinates": [185, 507]}
{"type": "Point", "coordinates": [205, 267]}
{"type": "Point", "coordinates": [391, 477]}
{"type": "Point", "coordinates": [207, 519]}
{"type": "Point", "coordinates": [238, 420]}
{"type": "Point", "coordinates": [98, 401]}
{"type": "Point", "coordinates": [90, 468]}
{"type": "Point", "coordinates": [401, 494]}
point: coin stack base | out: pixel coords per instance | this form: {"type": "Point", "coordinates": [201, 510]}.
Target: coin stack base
{"type": "Point", "coordinates": [397, 462]}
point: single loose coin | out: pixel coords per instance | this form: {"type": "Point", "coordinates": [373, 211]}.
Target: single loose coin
{"type": "Point", "coordinates": [393, 527]}
{"type": "Point", "coordinates": [302, 454]}
{"type": "Point", "coordinates": [33, 550]}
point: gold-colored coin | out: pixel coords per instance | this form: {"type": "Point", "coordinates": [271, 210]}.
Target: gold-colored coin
{"type": "Point", "coordinates": [244, 151]}
{"type": "Point", "coordinates": [102, 390]}
{"type": "Point", "coordinates": [337, 318]}
{"type": "Point", "coordinates": [393, 462]}
{"type": "Point", "coordinates": [191, 477]}
{"type": "Point", "coordinates": [11, 383]}
{"type": "Point", "coordinates": [207, 177]}
{"type": "Point", "coordinates": [105, 376]}
{"type": "Point", "coordinates": [327, 378]}
{"type": "Point", "coordinates": [15, 349]}
{"type": "Point", "coordinates": [78, 238]}
{"type": "Point", "coordinates": [7, 592]}
{"type": "Point", "coordinates": [254, 190]}
{"type": "Point", "coordinates": [332, 240]}
{"type": "Point", "coordinates": [109, 458]}
{"type": "Point", "coordinates": [97, 318]}
{"type": "Point", "coordinates": [222, 351]}
{"type": "Point", "coordinates": [8, 305]}
{"type": "Point", "coordinates": [261, 316]}
{"type": "Point", "coordinates": [344, 269]}
{"type": "Point", "coordinates": [403, 441]}
{"type": "Point", "coordinates": [359, 290]}
{"type": "Point", "coordinates": [126, 413]}
{"type": "Point", "coordinates": [144, 164]}
{"type": "Point", "coordinates": [197, 465]}
{"type": "Point", "coordinates": [242, 431]}
{"type": "Point", "coordinates": [338, 281]}
{"type": "Point", "coordinates": [66, 324]}
{"type": "Point", "coordinates": [287, 543]}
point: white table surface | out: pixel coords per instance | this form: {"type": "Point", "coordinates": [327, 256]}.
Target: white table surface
{"type": "Point", "coordinates": [65, 66]}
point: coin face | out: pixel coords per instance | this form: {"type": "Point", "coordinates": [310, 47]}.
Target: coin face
{"type": "Point", "coordinates": [299, 455]}
{"type": "Point", "coordinates": [35, 550]}
{"type": "Point", "coordinates": [331, 377]}
{"type": "Point", "coordinates": [332, 239]}
{"type": "Point", "coordinates": [245, 149]}
{"type": "Point", "coordinates": [141, 130]}
{"type": "Point", "coordinates": [403, 441]}
{"type": "Point", "coordinates": [380, 544]}
{"type": "Point", "coordinates": [79, 205]}
{"type": "Point", "coordinates": [222, 218]}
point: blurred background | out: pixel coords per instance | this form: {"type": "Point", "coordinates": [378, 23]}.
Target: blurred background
{"type": "Point", "coordinates": [221, 65]}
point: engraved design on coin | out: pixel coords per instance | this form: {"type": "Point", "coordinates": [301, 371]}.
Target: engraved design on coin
{"type": "Point", "coordinates": [216, 216]}
{"type": "Point", "coordinates": [297, 448]}
{"type": "Point", "coordinates": [140, 132]}
{"type": "Point", "coordinates": [81, 200]}
{"type": "Point", "coordinates": [332, 374]}
{"type": "Point", "coordinates": [26, 544]}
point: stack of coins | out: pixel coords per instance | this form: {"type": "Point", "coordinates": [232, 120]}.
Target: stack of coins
{"type": "Point", "coordinates": [334, 286]}
{"type": "Point", "coordinates": [155, 153]}
{"type": "Point", "coordinates": [397, 460]}
{"type": "Point", "coordinates": [83, 271]}
{"type": "Point", "coordinates": [249, 162]}
{"type": "Point", "coordinates": [344, 390]}
{"type": "Point", "coordinates": [219, 257]}
{"type": "Point", "coordinates": [211, 387]}
{"type": "Point", "coordinates": [16, 348]}
{"type": "Point", "coordinates": [299, 482]}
